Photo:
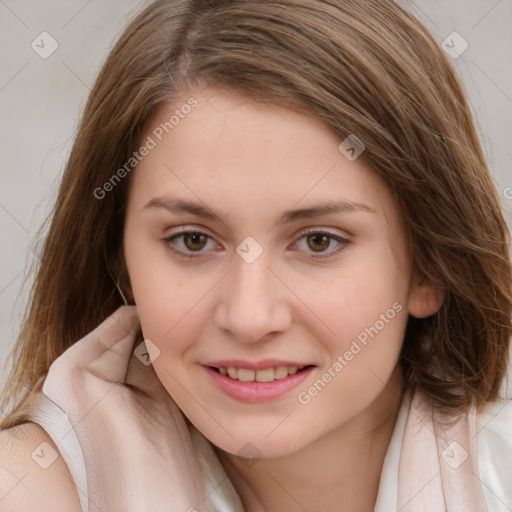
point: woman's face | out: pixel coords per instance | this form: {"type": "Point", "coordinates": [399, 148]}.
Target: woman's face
{"type": "Point", "coordinates": [265, 282]}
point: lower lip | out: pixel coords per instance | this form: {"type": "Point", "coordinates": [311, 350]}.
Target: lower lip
{"type": "Point", "coordinates": [257, 391]}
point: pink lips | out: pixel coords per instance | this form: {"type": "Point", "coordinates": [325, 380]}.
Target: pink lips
{"type": "Point", "coordinates": [256, 391]}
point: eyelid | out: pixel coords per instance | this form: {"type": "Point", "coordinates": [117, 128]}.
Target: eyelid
{"type": "Point", "coordinates": [181, 230]}
{"type": "Point", "coordinates": [325, 231]}
{"type": "Point", "coordinates": [342, 240]}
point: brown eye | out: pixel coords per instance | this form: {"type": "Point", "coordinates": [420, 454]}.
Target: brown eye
{"type": "Point", "coordinates": [190, 242]}
{"type": "Point", "coordinates": [194, 241]}
{"type": "Point", "coordinates": [318, 242]}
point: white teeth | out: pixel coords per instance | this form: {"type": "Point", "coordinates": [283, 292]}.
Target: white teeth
{"type": "Point", "coordinates": [266, 375]}
{"type": "Point", "coordinates": [246, 375]}
{"type": "Point", "coordinates": [280, 372]}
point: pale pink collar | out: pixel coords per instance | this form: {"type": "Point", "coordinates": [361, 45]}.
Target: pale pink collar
{"type": "Point", "coordinates": [438, 469]}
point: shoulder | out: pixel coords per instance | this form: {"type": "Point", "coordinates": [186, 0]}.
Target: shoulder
{"type": "Point", "coordinates": [33, 474]}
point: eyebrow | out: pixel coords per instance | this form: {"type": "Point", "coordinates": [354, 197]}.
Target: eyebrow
{"type": "Point", "coordinates": [181, 206]}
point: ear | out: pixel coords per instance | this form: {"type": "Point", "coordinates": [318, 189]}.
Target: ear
{"type": "Point", "coordinates": [424, 299]}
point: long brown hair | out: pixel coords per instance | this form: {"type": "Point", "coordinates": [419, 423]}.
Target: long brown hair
{"type": "Point", "coordinates": [367, 68]}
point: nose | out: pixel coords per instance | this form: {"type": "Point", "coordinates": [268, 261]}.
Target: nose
{"type": "Point", "coordinates": [253, 302]}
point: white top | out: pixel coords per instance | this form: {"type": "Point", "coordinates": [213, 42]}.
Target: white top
{"type": "Point", "coordinates": [494, 426]}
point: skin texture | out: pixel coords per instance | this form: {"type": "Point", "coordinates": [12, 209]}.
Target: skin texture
{"type": "Point", "coordinates": [26, 485]}
{"type": "Point", "coordinates": [249, 162]}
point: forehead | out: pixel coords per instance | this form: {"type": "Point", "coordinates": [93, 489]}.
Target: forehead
{"type": "Point", "coordinates": [235, 153]}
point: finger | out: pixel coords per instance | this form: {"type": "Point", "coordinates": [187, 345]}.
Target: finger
{"type": "Point", "coordinates": [111, 345]}
{"type": "Point", "coordinates": [106, 350]}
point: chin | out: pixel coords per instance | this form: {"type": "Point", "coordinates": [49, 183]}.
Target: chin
{"type": "Point", "coordinates": [258, 446]}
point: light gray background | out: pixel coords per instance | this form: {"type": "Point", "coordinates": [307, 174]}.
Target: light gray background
{"type": "Point", "coordinates": [41, 99]}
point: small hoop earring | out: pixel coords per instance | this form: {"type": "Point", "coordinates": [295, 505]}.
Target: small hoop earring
{"type": "Point", "coordinates": [126, 303]}
{"type": "Point", "coordinates": [122, 294]}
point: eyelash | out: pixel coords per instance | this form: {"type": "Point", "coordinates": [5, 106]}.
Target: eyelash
{"type": "Point", "coordinates": [311, 231]}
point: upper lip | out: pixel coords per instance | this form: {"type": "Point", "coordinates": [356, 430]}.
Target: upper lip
{"type": "Point", "coordinates": [255, 365]}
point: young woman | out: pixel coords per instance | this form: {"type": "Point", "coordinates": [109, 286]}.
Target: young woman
{"type": "Point", "coordinates": [292, 201]}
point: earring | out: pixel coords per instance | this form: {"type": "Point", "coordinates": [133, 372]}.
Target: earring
{"type": "Point", "coordinates": [122, 294]}
{"type": "Point", "coordinates": [126, 303]}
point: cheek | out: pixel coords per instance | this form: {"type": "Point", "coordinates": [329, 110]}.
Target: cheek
{"type": "Point", "coordinates": [355, 297]}
{"type": "Point", "coordinates": [169, 315]}
{"type": "Point", "coordinates": [170, 320]}
{"type": "Point", "coordinates": [357, 375]}
{"type": "Point", "coordinates": [167, 300]}
{"type": "Point", "coordinates": [369, 317]}
{"type": "Point", "coordinates": [367, 312]}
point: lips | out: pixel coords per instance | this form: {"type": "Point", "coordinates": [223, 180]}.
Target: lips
{"type": "Point", "coordinates": [257, 381]}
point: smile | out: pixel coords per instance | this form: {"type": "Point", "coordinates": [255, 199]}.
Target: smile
{"type": "Point", "coordinates": [257, 385]}
{"type": "Point", "coordinates": [266, 375]}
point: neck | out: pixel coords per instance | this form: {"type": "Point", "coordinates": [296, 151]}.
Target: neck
{"type": "Point", "coordinates": [338, 472]}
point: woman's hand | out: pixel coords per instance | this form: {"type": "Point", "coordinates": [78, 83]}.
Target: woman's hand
{"type": "Point", "coordinates": [136, 445]}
